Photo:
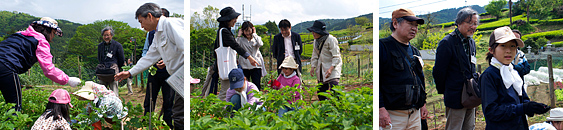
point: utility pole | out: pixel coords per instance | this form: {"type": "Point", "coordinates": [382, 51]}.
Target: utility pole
{"type": "Point", "coordinates": [510, 11]}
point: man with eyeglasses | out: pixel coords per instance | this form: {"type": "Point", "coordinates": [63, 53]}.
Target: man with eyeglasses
{"type": "Point", "coordinates": [455, 63]}
{"type": "Point", "coordinates": [287, 43]}
{"type": "Point", "coordinates": [402, 95]}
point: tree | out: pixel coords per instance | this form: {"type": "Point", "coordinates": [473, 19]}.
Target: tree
{"type": "Point", "coordinates": [362, 21]}
{"type": "Point", "coordinates": [272, 27]}
{"type": "Point", "coordinates": [206, 20]}
{"type": "Point", "coordinates": [541, 9]}
{"type": "Point", "coordinates": [175, 15]}
{"type": "Point", "coordinates": [85, 41]}
{"type": "Point", "coordinates": [201, 45]}
{"type": "Point", "coordinates": [260, 29]}
{"type": "Point", "coordinates": [494, 7]}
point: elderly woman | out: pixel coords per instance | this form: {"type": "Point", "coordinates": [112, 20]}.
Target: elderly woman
{"type": "Point", "coordinates": [21, 50]}
{"type": "Point", "coordinates": [325, 61]}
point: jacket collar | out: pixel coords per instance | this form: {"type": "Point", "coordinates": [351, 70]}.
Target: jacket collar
{"type": "Point", "coordinates": [160, 24]}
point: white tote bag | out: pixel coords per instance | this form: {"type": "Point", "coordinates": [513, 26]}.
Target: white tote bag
{"type": "Point", "coordinates": [226, 59]}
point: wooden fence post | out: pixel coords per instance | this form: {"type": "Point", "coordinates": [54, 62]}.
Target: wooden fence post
{"type": "Point", "coordinates": [79, 68]}
{"type": "Point", "coordinates": [550, 71]}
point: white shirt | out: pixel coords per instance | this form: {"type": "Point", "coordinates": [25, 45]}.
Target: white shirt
{"type": "Point", "coordinates": [288, 45]}
{"type": "Point", "coordinates": [168, 44]}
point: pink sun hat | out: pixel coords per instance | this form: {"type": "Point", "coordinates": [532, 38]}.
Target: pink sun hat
{"type": "Point", "coordinates": [61, 97]}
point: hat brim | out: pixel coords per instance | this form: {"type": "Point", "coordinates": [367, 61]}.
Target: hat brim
{"type": "Point", "coordinates": [86, 94]}
{"type": "Point", "coordinates": [236, 84]}
{"type": "Point", "coordinates": [554, 119]}
{"type": "Point", "coordinates": [228, 17]}
{"type": "Point", "coordinates": [287, 65]}
{"type": "Point", "coordinates": [412, 18]}
{"type": "Point", "coordinates": [317, 30]}
{"type": "Point", "coordinates": [519, 42]}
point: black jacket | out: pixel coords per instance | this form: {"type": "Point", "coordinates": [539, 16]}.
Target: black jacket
{"type": "Point", "coordinates": [228, 41]}
{"type": "Point", "coordinates": [447, 71]}
{"type": "Point", "coordinates": [278, 48]}
{"type": "Point", "coordinates": [401, 86]}
{"type": "Point", "coordinates": [115, 49]}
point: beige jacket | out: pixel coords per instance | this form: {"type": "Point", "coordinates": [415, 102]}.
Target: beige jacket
{"type": "Point", "coordinates": [251, 46]}
{"type": "Point", "coordinates": [329, 56]}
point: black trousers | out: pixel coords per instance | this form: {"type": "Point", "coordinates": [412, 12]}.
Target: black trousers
{"type": "Point", "coordinates": [178, 112]}
{"type": "Point", "coordinates": [255, 75]}
{"type": "Point", "coordinates": [158, 82]}
{"type": "Point", "coordinates": [11, 88]}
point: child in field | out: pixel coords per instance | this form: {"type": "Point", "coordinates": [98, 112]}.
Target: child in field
{"type": "Point", "coordinates": [102, 98]}
{"type": "Point", "coordinates": [240, 91]}
{"type": "Point", "coordinates": [56, 115]}
{"type": "Point", "coordinates": [289, 77]}
{"type": "Point", "coordinates": [505, 102]}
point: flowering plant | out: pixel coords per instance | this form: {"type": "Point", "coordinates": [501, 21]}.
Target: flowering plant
{"type": "Point", "coordinates": [275, 84]}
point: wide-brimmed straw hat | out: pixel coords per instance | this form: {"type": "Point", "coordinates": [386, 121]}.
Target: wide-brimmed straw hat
{"type": "Point", "coordinates": [289, 62]}
{"type": "Point", "coordinates": [87, 91]}
{"type": "Point", "coordinates": [555, 114]}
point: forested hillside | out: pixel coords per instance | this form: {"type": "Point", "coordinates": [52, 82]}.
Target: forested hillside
{"type": "Point", "coordinates": [332, 24]}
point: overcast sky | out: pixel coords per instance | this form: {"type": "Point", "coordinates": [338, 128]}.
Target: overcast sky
{"type": "Point", "coordinates": [295, 11]}
{"type": "Point", "coordinates": [425, 6]}
{"type": "Point", "coordinates": [88, 11]}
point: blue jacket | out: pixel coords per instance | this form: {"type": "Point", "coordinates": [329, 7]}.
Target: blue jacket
{"type": "Point", "coordinates": [17, 52]}
{"type": "Point", "coordinates": [502, 107]}
{"type": "Point", "coordinates": [447, 71]}
{"type": "Point", "coordinates": [148, 43]}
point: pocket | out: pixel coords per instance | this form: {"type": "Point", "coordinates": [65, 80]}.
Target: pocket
{"type": "Point", "coordinates": [397, 96]}
{"type": "Point", "coordinates": [397, 61]}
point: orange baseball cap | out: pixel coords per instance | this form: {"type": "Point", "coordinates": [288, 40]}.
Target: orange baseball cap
{"type": "Point", "coordinates": [406, 14]}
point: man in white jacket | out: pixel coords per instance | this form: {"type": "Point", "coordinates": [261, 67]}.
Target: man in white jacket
{"type": "Point", "coordinates": [168, 44]}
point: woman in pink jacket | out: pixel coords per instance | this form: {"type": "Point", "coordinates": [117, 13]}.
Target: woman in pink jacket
{"type": "Point", "coordinates": [21, 50]}
{"type": "Point", "coordinates": [289, 77]}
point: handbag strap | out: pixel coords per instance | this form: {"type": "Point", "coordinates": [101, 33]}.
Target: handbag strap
{"type": "Point", "coordinates": [409, 61]}
{"type": "Point", "coordinates": [221, 37]}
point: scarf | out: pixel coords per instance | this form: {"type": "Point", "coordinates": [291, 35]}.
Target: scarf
{"type": "Point", "coordinates": [509, 76]}
{"type": "Point", "coordinates": [289, 76]}
{"type": "Point", "coordinates": [320, 41]}
{"type": "Point", "coordinates": [242, 94]}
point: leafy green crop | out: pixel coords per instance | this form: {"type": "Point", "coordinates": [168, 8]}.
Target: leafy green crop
{"type": "Point", "coordinates": [345, 110]}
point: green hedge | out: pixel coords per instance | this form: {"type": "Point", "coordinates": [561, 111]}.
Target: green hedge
{"type": "Point", "coordinates": [503, 22]}
{"type": "Point", "coordinates": [548, 35]}
{"type": "Point", "coordinates": [550, 22]}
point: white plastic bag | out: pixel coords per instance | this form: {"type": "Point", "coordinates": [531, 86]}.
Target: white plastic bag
{"type": "Point", "coordinates": [226, 59]}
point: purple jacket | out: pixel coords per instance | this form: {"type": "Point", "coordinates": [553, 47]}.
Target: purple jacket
{"type": "Point", "coordinates": [290, 82]}
{"type": "Point", "coordinates": [249, 95]}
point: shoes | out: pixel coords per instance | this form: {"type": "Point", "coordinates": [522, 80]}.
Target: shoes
{"type": "Point", "coordinates": [129, 93]}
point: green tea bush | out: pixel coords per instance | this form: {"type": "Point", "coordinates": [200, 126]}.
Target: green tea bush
{"type": "Point", "coordinates": [548, 35]}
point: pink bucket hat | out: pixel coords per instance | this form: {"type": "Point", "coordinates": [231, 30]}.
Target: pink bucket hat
{"type": "Point", "coordinates": [61, 97]}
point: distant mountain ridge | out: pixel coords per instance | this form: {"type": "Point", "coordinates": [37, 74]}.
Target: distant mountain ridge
{"type": "Point", "coordinates": [442, 16]}
{"type": "Point", "coordinates": [332, 24]}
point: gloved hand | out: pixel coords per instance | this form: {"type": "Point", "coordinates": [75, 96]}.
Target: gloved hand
{"type": "Point", "coordinates": [531, 108]}
{"type": "Point", "coordinates": [73, 81]}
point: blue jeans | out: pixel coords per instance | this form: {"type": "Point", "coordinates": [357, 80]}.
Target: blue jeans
{"type": "Point", "coordinates": [235, 99]}
{"type": "Point", "coordinates": [287, 109]}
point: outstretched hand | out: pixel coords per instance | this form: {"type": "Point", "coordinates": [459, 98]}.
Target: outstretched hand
{"type": "Point", "coordinates": [122, 75]}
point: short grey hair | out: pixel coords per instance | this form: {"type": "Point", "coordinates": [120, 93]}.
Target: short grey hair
{"type": "Point", "coordinates": [464, 14]}
{"type": "Point", "coordinates": [106, 29]}
{"type": "Point", "coordinates": [399, 20]}
{"type": "Point", "coordinates": [147, 8]}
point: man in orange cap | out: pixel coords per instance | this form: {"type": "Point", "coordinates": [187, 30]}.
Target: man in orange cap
{"type": "Point", "coordinates": [402, 97]}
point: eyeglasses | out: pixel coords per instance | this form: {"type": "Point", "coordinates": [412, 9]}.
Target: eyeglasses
{"type": "Point", "coordinates": [472, 24]}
